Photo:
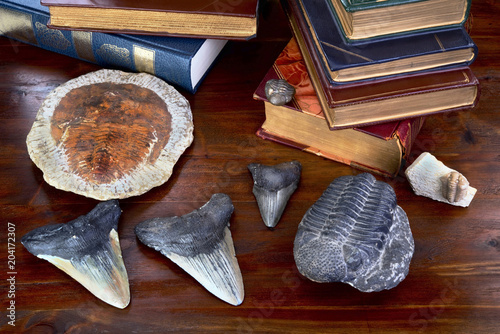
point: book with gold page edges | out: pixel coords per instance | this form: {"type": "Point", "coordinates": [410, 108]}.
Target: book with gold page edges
{"type": "Point", "coordinates": [110, 134]}
{"type": "Point", "coordinates": [345, 63]}
{"type": "Point", "coordinates": [225, 19]}
{"type": "Point", "coordinates": [365, 19]}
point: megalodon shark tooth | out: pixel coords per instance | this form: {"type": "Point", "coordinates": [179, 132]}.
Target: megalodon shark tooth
{"type": "Point", "coordinates": [88, 250]}
{"type": "Point", "coordinates": [200, 243]}
{"type": "Point", "coordinates": [273, 186]}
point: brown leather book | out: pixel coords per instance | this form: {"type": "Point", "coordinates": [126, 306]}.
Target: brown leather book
{"type": "Point", "coordinates": [391, 98]}
{"type": "Point", "coordinates": [381, 148]}
{"type": "Point", "coordinates": [225, 19]}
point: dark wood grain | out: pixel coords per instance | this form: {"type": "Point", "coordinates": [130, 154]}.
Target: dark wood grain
{"type": "Point", "coordinates": [454, 281]}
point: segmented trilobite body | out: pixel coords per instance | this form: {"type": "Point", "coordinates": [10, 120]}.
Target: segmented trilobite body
{"type": "Point", "coordinates": [344, 235]}
{"type": "Point", "coordinates": [278, 91]}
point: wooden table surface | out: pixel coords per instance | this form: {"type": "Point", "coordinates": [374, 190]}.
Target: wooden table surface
{"type": "Point", "coordinates": [454, 281]}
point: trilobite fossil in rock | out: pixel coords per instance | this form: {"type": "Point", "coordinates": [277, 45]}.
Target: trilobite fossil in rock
{"type": "Point", "coordinates": [87, 249]}
{"type": "Point", "coordinates": [454, 186]}
{"type": "Point", "coordinates": [355, 233]}
{"type": "Point", "coordinates": [279, 92]}
{"type": "Point", "coordinates": [273, 186]}
{"type": "Point", "coordinates": [429, 177]}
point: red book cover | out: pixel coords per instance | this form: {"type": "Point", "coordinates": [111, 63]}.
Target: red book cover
{"type": "Point", "coordinates": [290, 66]}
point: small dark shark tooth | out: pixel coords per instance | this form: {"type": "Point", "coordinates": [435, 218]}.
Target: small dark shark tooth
{"type": "Point", "coordinates": [279, 92]}
{"type": "Point", "coordinates": [200, 243]}
{"type": "Point", "coordinates": [273, 186]}
{"type": "Point", "coordinates": [356, 234]}
{"type": "Point", "coordinates": [88, 250]}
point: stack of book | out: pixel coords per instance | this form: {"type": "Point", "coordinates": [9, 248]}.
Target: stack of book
{"type": "Point", "coordinates": [366, 73]}
{"type": "Point", "coordinates": [178, 41]}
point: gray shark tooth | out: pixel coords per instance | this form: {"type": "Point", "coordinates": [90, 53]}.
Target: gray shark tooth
{"type": "Point", "coordinates": [273, 186]}
{"type": "Point", "coordinates": [200, 243]}
{"type": "Point", "coordinates": [431, 178]}
{"type": "Point", "coordinates": [88, 250]}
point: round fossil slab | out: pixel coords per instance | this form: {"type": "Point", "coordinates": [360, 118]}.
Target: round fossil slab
{"type": "Point", "coordinates": [110, 134]}
{"type": "Point", "coordinates": [356, 234]}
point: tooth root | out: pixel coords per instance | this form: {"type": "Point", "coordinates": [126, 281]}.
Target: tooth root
{"type": "Point", "coordinates": [431, 178]}
{"type": "Point", "coordinates": [88, 250]}
{"type": "Point", "coordinates": [200, 243]}
{"type": "Point", "coordinates": [273, 187]}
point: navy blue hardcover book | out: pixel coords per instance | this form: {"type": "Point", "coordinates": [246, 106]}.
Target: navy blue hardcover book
{"type": "Point", "coordinates": [183, 62]}
{"type": "Point", "coordinates": [344, 62]}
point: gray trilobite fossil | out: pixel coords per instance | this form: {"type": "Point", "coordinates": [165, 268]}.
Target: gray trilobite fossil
{"type": "Point", "coordinates": [356, 234]}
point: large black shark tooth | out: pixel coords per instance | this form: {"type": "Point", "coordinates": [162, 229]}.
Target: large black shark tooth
{"type": "Point", "coordinates": [273, 186]}
{"type": "Point", "coordinates": [88, 250]}
{"type": "Point", "coordinates": [200, 242]}
{"type": "Point", "coordinates": [357, 234]}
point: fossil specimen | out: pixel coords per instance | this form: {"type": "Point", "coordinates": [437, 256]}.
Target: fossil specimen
{"type": "Point", "coordinates": [454, 186]}
{"type": "Point", "coordinates": [273, 186]}
{"type": "Point", "coordinates": [355, 233]}
{"type": "Point", "coordinates": [200, 243]}
{"type": "Point", "coordinates": [110, 134]}
{"type": "Point", "coordinates": [429, 177]}
{"type": "Point", "coordinates": [279, 92]}
{"type": "Point", "coordinates": [88, 250]}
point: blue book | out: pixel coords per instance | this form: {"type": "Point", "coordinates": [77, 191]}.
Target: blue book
{"type": "Point", "coordinates": [345, 62]}
{"type": "Point", "coordinates": [183, 62]}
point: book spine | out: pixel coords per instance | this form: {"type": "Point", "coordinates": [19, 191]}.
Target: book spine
{"type": "Point", "coordinates": [29, 26]}
{"type": "Point", "coordinates": [406, 133]}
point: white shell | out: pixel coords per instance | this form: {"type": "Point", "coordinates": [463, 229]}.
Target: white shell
{"type": "Point", "coordinates": [425, 174]}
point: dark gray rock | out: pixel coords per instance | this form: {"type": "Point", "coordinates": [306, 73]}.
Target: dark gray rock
{"type": "Point", "coordinates": [356, 234]}
{"type": "Point", "coordinates": [273, 186]}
